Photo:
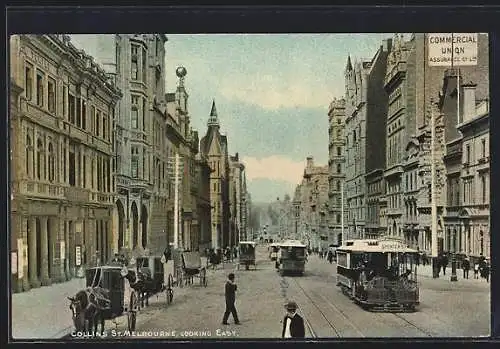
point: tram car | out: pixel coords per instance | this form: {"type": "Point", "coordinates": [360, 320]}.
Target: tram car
{"type": "Point", "coordinates": [273, 251]}
{"type": "Point", "coordinates": [379, 274]}
{"type": "Point", "coordinates": [291, 257]}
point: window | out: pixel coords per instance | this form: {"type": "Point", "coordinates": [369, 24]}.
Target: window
{"type": "Point", "coordinates": [144, 114]}
{"type": "Point", "coordinates": [84, 171]}
{"type": "Point", "coordinates": [71, 107]}
{"type": "Point", "coordinates": [93, 120]}
{"type": "Point", "coordinates": [144, 66]}
{"type": "Point", "coordinates": [51, 163]}
{"type": "Point", "coordinates": [338, 218]}
{"type": "Point", "coordinates": [118, 56]}
{"type": "Point", "coordinates": [144, 163]}
{"type": "Point", "coordinates": [135, 162]}
{"type": "Point", "coordinates": [483, 148]}
{"type": "Point", "coordinates": [39, 158]}
{"type": "Point", "coordinates": [483, 189]}
{"type": "Point", "coordinates": [51, 88]}
{"type": "Point", "coordinates": [135, 112]}
{"type": "Point", "coordinates": [65, 101]}
{"type": "Point", "coordinates": [134, 71]}
{"type": "Point", "coordinates": [467, 154]}
{"type": "Point", "coordinates": [339, 133]}
{"type": "Point", "coordinates": [28, 82]}
{"type": "Point", "coordinates": [339, 151]}
{"type": "Point", "coordinates": [104, 126]}
{"type": "Point", "coordinates": [39, 89]}
{"type": "Point", "coordinates": [354, 136]}
{"type": "Point", "coordinates": [72, 166]}
{"type": "Point", "coordinates": [339, 168]}
{"type": "Point", "coordinates": [97, 123]}
{"type": "Point", "coordinates": [29, 148]}
{"type": "Point", "coordinates": [78, 112]}
{"type": "Point", "coordinates": [338, 185]}
{"type": "Point", "coordinates": [84, 115]}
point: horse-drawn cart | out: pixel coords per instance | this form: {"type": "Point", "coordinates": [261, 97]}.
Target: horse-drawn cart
{"type": "Point", "coordinates": [247, 254]}
{"type": "Point", "coordinates": [106, 297]}
{"type": "Point", "coordinates": [189, 268]}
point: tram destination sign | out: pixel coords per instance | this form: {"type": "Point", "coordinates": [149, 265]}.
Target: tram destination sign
{"type": "Point", "coordinates": [391, 245]}
{"type": "Point", "coordinates": [444, 47]}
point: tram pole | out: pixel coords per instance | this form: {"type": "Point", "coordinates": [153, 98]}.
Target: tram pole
{"type": "Point", "coordinates": [454, 255]}
{"type": "Point", "coordinates": [434, 243]}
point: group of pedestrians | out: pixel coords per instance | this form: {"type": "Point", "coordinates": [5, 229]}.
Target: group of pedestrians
{"type": "Point", "coordinates": [480, 267]}
{"type": "Point", "coordinates": [293, 323]}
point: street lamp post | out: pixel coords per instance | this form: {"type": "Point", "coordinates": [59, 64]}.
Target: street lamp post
{"type": "Point", "coordinates": [454, 258]}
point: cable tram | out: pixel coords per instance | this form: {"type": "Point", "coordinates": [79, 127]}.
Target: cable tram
{"type": "Point", "coordinates": [380, 275]}
{"type": "Point", "coordinates": [291, 257]}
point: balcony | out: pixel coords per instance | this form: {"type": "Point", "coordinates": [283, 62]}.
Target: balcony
{"type": "Point", "coordinates": [75, 194]}
{"type": "Point", "coordinates": [122, 181]}
{"type": "Point", "coordinates": [40, 189]}
{"type": "Point", "coordinates": [101, 198]}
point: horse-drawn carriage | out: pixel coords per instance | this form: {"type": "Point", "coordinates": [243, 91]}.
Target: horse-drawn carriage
{"type": "Point", "coordinates": [187, 267]}
{"type": "Point", "coordinates": [116, 289]}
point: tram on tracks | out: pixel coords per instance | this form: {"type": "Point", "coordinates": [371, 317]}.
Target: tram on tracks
{"type": "Point", "coordinates": [379, 274]}
{"type": "Point", "coordinates": [291, 257]}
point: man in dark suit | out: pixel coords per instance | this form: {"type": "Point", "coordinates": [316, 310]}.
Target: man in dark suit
{"type": "Point", "coordinates": [230, 299]}
{"type": "Point", "coordinates": [293, 324]}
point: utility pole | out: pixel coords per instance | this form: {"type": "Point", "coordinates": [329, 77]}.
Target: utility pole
{"type": "Point", "coordinates": [434, 242]}
{"type": "Point", "coordinates": [342, 214]}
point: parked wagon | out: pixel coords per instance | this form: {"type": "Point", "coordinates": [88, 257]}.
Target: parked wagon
{"type": "Point", "coordinates": [380, 275]}
{"type": "Point", "coordinates": [247, 254]}
{"type": "Point", "coordinates": [190, 267]}
{"type": "Point", "coordinates": [153, 267]}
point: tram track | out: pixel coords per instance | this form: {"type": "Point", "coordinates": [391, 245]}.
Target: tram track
{"type": "Point", "coordinates": [320, 311]}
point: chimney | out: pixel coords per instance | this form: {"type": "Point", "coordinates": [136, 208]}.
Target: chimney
{"type": "Point", "coordinates": [469, 101]}
{"type": "Point", "coordinates": [310, 162]}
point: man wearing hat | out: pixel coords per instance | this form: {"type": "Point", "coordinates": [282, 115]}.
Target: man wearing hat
{"type": "Point", "coordinates": [293, 324]}
{"type": "Point", "coordinates": [230, 299]}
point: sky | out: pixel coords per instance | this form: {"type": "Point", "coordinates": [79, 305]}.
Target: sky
{"type": "Point", "coordinates": [272, 93]}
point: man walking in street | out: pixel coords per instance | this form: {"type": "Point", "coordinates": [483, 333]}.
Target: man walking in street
{"type": "Point", "coordinates": [293, 323]}
{"type": "Point", "coordinates": [230, 299]}
{"type": "Point", "coordinates": [466, 267]}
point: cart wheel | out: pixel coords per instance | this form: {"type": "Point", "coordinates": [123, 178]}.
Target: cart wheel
{"type": "Point", "coordinates": [132, 318]}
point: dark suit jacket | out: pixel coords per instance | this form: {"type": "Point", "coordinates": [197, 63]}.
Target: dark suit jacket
{"type": "Point", "coordinates": [297, 329]}
{"type": "Point", "coordinates": [230, 293]}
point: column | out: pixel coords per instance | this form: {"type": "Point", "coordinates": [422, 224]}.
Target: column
{"type": "Point", "coordinates": [54, 249]}
{"type": "Point", "coordinates": [71, 247]}
{"type": "Point", "coordinates": [32, 250]}
{"type": "Point", "coordinates": [45, 251]}
{"type": "Point", "coordinates": [22, 254]}
{"type": "Point", "coordinates": [67, 272]}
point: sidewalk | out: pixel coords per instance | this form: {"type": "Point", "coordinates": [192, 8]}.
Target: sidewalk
{"type": "Point", "coordinates": [43, 313]}
{"type": "Point", "coordinates": [426, 271]}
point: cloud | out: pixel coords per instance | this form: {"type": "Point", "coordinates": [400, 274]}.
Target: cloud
{"type": "Point", "coordinates": [273, 168]}
{"type": "Point", "coordinates": [273, 92]}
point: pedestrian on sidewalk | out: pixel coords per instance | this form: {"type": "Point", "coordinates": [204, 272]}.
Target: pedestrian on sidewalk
{"type": "Point", "coordinates": [476, 270]}
{"type": "Point", "coordinates": [293, 323]}
{"type": "Point", "coordinates": [230, 300]}
{"type": "Point", "coordinates": [444, 263]}
{"type": "Point", "coordinates": [466, 267]}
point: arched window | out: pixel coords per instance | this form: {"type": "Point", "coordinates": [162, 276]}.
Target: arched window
{"type": "Point", "coordinates": [29, 149]}
{"type": "Point", "coordinates": [338, 185]}
{"type": "Point", "coordinates": [39, 158]}
{"type": "Point", "coordinates": [51, 163]}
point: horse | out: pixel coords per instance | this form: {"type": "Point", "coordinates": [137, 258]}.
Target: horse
{"type": "Point", "coordinates": [142, 283]}
{"type": "Point", "coordinates": [86, 311]}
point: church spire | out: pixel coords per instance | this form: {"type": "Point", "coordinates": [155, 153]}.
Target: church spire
{"type": "Point", "coordinates": [348, 66]}
{"type": "Point", "coordinates": [212, 120]}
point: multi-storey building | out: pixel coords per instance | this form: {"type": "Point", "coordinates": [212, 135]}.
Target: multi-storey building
{"type": "Point", "coordinates": [412, 84]}
{"type": "Point", "coordinates": [62, 152]}
{"type": "Point", "coordinates": [236, 199]}
{"type": "Point", "coordinates": [204, 210]}
{"type": "Point", "coordinates": [466, 218]}
{"type": "Point", "coordinates": [313, 201]}
{"type": "Point", "coordinates": [365, 108]}
{"type": "Point", "coordinates": [214, 146]}
{"type": "Point", "coordinates": [141, 154]}
{"type": "Point", "coordinates": [336, 165]}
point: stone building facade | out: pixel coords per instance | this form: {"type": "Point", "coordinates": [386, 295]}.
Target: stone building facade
{"type": "Point", "coordinates": [366, 105]}
{"type": "Point", "coordinates": [237, 189]}
{"type": "Point", "coordinates": [214, 146]}
{"type": "Point", "coordinates": [203, 207]}
{"type": "Point", "coordinates": [336, 168]}
{"type": "Point", "coordinates": [62, 157]}
{"type": "Point", "coordinates": [313, 200]}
